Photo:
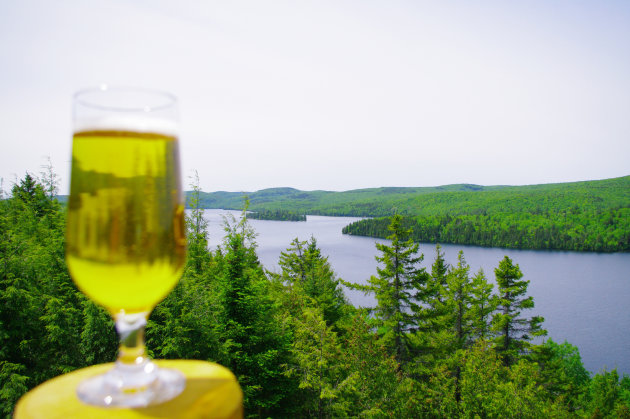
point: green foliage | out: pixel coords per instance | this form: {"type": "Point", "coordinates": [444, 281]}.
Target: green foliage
{"type": "Point", "coordinates": [30, 196]}
{"type": "Point", "coordinates": [458, 297]}
{"type": "Point", "coordinates": [317, 363]}
{"type": "Point", "coordinates": [197, 231]}
{"type": "Point", "coordinates": [601, 230]}
{"type": "Point", "coordinates": [585, 216]}
{"type": "Point", "coordinates": [437, 281]}
{"type": "Point", "coordinates": [429, 349]}
{"type": "Point", "coordinates": [49, 180]}
{"type": "Point", "coordinates": [99, 341]}
{"type": "Point", "coordinates": [370, 387]}
{"type": "Point", "coordinates": [304, 267]}
{"type": "Point", "coordinates": [13, 385]}
{"type": "Point", "coordinates": [397, 290]}
{"type": "Point", "coordinates": [256, 346]}
{"type": "Point", "coordinates": [435, 314]}
{"type": "Point", "coordinates": [608, 396]}
{"type": "Point", "coordinates": [513, 331]}
{"type": "Point", "coordinates": [41, 311]}
{"type": "Point", "coordinates": [277, 215]}
{"type": "Point", "coordinates": [450, 199]}
{"type": "Point", "coordinates": [482, 304]}
{"type": "Point", "coordinates": [490, 389]}
{"type": "Point", "coordinates": [562, 373]}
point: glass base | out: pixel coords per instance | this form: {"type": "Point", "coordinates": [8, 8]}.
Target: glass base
{"type": "Point", "coordinates": [132, 386]}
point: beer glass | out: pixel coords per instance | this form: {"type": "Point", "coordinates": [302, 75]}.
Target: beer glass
{"type": "Point", "coordinates": [125, 237]}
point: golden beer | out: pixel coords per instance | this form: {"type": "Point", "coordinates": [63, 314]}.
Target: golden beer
{"type": "Point", "coordinates": [125, 237]}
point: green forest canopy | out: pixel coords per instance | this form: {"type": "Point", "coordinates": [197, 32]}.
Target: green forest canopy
{"type": "Point", "coordinates": [442, 341]}
{"type": "Point", "coordinates": [584, 216]}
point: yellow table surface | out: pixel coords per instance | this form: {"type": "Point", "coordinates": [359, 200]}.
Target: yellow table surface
{"type": "Point", "coordinates": [211, 392]}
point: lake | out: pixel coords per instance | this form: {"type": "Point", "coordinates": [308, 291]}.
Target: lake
{"type": "Point", "coordinates": [584, 297]}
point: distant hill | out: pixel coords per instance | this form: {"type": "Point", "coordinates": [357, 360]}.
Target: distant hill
{"type": "Point", "coordinates": [357, 202]}
{"type": "Point", "coordinates": [590, 215]}
{"type": "Point", "coordinates": [586, 216]}
{"type": "Point", "coordinates": [447, 199]}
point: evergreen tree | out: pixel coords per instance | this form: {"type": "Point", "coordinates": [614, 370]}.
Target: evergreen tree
{"type": "Point", "coordinates": [372, 376]}
{"type": "Point", "coordinates": [304, 266]}
{"type": "Point", "coordinates": [49, 179]}
{"type": "Point", "coordinates": [458, 317]}
{"type": "Point", "coordinates": [482, 304]}
{"type": "Point", "coordinates": [99, 341]}
{"type": "Point", "coordinates": [435, 309]}
{"type": "Point", "coordinates": [458, 299]}
{"type": "Point", "coordinates": [398, 288]}
{"type": "Point", "coordinates": [290, 341]}
{"type": "Point", "coordinates": [562, 373]}
{"type": "Point", "coordinates": [437, 281]}
{"type": "Point", "coordinates": [605, 396]}
{"type": "Point", "coordinates": [434, 332]}
{"type": "Point", "coordinates": [514, 332]}
{"type": "Point", "coordinates": [40, 308]}
{"type": "Point", "coordinates": [29, 195]}
{"type": "Point", "coordinates": [184, 325]}
{"type": "Point", "coordinates": [317, 363]}
{"type": "Point", "coordinates": [256, 348]}
{"type": "Point", "coordinates": [197, 231]}
{"type": "Point", "coordinates": [489, 389]}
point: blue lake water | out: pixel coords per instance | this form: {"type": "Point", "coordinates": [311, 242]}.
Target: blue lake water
{"type": "Point", "coordinates": [582, 296]}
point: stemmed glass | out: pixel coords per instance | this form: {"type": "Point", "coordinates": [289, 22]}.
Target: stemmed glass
{"type": "Point", "coordinates": [125, 237]}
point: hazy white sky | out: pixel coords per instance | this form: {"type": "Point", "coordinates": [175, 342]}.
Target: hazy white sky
{"type": "Point", "coordinates": [335, 94]}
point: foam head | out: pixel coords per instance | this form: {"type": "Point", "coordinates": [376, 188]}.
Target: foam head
{"type": "Point", "coordinates": [141, 124]}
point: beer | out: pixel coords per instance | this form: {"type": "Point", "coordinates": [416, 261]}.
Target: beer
{"type": "Point", "coordinates": [125, 237]}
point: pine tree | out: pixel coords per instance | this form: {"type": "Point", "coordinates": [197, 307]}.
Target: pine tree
{"type": "Point", "coordinates": [184, 324]}
{"type": "Point", "coordinates": [490, 389]}
{"type": "Point", "coordinates": [31, 195]}
{"type": "Point", "coordinates": [482, 304]}
{"type": "Point", "coordinates": [435, 309]}
{"type": "Point", "coordinates": [40, 308]}
{"type": "Point", "coordinates": [458, 299]}
{"type": "Point", "coordinates": [514, 332]}
{"type": "Point", "coordinates": [49, 179]}
{"type": "Point", "coordinates": [562, 373]}
{"type": "Point", "coordinates": [437, 282]}
{"type": "Point", "coordinates": [398, 288]}
{"type": "Point", "coordinates": [372, 374]}
{"type": "Point", "coordinates": [99, 342]}
{"type": "Point", "coordinates": [318, 364]}
{"type": "Point", "coordinates": [458, 317]}
{"type": "Point", "coordinates": [197, 231]}
{"type": "Point", "coordinates": [434, 338]}
{"type": "Point", "coordinates": [256, 347]}
{"type": "Point", "coordinates": [304, 266]}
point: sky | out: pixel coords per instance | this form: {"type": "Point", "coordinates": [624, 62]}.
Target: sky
{"type": "Point", "coordinates": [334, 94]}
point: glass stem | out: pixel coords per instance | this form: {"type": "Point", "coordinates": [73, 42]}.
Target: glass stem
{"type": "Point", "coordinates": [133, 371]}
{"type": "Point", "coordinates": [130, 327]}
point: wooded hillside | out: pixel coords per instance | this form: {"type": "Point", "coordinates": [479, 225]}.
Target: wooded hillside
{"type": "Point", "coordinates": [442, 341]}
{"type": "Point", "coordinates": [585, 216]}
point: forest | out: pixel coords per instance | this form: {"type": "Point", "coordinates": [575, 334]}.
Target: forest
{"type": "Point", "coordinates": [442, 341]}
{"type": "Point", "coordinates": [275, 215]}
{"type": "Point", "coordinates": [599, 231]}
{"type": "Point", "coordinates": [579, 216]}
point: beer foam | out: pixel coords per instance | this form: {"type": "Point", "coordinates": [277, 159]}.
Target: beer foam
{"type": "Point", "coordinates": [140, 124]}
